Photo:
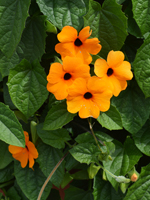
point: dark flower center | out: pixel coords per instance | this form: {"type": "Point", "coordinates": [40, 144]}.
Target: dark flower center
{"type": "Point", "coordinates": [87, 95]}
{"type": "Point", "coordinates": [110, 72]}
{"type": "Point", "coordinates": [67, 76]}
{"type": "Point", "coordinates": [78, 42]}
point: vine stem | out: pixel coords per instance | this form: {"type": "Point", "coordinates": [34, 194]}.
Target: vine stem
{"type": "Point", "coordinates": [90, 125]}
{"type": "Point", "coordinates": [49, 177]}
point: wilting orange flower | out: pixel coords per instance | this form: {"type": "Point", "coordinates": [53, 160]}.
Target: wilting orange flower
{"type": "Point", "coordinates": [61, 76]}
{"type": "Point", "coordinates": [89, 97]}
{"type": "Point", "coordinates": [115, 71]}
{"type": "Point", "coordinates": [73, 44]}
{"type": "Point", "coordinates": [24, 154]}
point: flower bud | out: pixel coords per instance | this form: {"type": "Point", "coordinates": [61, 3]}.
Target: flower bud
{"type": "Point", "coordinates": [134, 177]}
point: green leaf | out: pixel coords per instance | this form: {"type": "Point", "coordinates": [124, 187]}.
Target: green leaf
{"type": "Point", "coordinates": [55, 138]}
{"type": "Point", "coordinates": [133, 28]}
{"type": "Point", "coordinates": [123, 159]}
{"type": "Point", "coordinates": [13, 194]}
{"type": "Point", "coordinates": [74, 193]}
{"type": "Point", "coordinates": [32, 44]}
{"type": "Point", "coordinates": [13, 14]}
{"type": "Point", "coordinates": [141, 188]}
{"type": "Point", "coordinates": [104, 190]}
{"type": "Point", "coordinates": [50, 27]}
{"type": "Point", "coordinates": [57, 117]}
{"type": "Point", "coordinates": [142, 67]}
{"type": "Point", "coordinates": [108, 24]}
{"type": "Point", "coordinates": [5, 156]}
{"type": "Point", "coordinates": [6, 95]}
{"type": "Point", "coordinates": [31, 181]}
{"type": "Point", "coordinates": [133, 107]}
{"type": "Point", "coordinates": [88, 137]}
{"type": "Point", "coordinates": [142, 139]}
{"type": "Point", "coordinates": [7, 63]}
{"type": "Point", "coordinates": [110, 119]}
{"type": "Point", "coordinates": [11, 131]}
{"type": "Point", "coordinates": [27, 86]}
{"type": "Point", "coordinates": [85, 153]}
{"type": "Point", "coordinates": [64, 13]}
{"type": "Point", "coordinates": [48, 159]}
{"type": "Point", "coordinates": [141, 13]}
{"type": "Point", "coordinates": [7, 173]}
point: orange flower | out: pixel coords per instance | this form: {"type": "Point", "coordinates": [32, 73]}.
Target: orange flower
{"type": "Point", "coordinates": [115, 71]}
{"type": "Point", "coordinates": [24, 154]}
{"type": "Point", "coordinates": [61, 76]}
{"type": "Point", "coordinates": [89, 97]}
{"type": "Point", "coordinates": [73, 44]}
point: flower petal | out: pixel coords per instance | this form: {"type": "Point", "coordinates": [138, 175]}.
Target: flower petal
{"type": "Point", "coordinates": [74, 105]}
{"type": "Point", "coordinates": [31, 160]}
{"type": "Point", "coordinates": [123, 71]}
{"type": "Point", "coordinates": [32, 149]}
{"type": "Point", "coordinates": [26, 137]}
{"type": "Point", "coordinates": [14, 149]}
{"type": "Point", "coordinates": [119, 85]}
{"type": "Point", "coordinates": [65, 49]}
{"type": "Point", "coordinates": [103, 100]}
{"type": "Point", "coordinates": [78, 88]}
{"type": "Point", "coordinates": [67, 34]}
{"type": "Point", "coordinates": [22, 157]}
{"type": "Point", "coordinates": [100, 67]}
{"type": "Point", "coordinates": [56, 73]}
{"type": "Point", "coordinates": [84, 55]}
{"type": "Point", "coordinates": [92, 46]}
{"type": "Point", "coordinates": [89, 109]}
{"type": "Point", "coordinates": [114, 58]}
{"type": "Point", "coordinates": [85, 33]}
{"type": "Point", "coordinates": [76, 67]}
{"type": "Point", "coordinates": [60, 90]}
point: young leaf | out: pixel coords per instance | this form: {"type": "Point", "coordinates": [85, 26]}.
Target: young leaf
{"type": "Point", "coordinates": [101, 189]}
{"type": "Point", "coordinates": [110, 119]}
{"type": "Point", "coordinates": [141, 67]}
{"type": "Point", "coordinates": [141, 188]}
{"type": "Point", "coordinates": [54, 138]}
{"type": "Point", "coordinates": [5, 156]}
{"type": "Point", "coordinates": [31, 181]}
{"type": "Point", "coordinates": [57, 117]}
{"type": "Point", "coordinates": [48, 159]}
{"type": "Point", "coordinates": [142, 139]}
{"type": "Point", "coordinates": [108, 24]}
{"type": "Point", "coordinates": [85, 153]}
{"type": "Point", "coordinates": [13, 14]}
{"type": "Point", "coordinates": [11, 131]}
{"type": "Point", "coordinates": [27, 87]}
{"type": "Point", "coordinates": [133, 107]}
{"type": "Point", "coordinates": [64, 13]}
{"type": "Point", "coordinates": [123, 159]}
{"type": "Point", "coordinates": [141, 12]}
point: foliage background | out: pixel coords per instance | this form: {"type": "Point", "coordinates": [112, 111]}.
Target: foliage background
{"type": "Point", "coordinates": [27, 39]}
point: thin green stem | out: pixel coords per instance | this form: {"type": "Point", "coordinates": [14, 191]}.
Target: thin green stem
{"type": "Point", "coordinates": [112, 175]}
{"type": "Point", "coordinates": [68, 144]}
{"type": "Point", "coordinates": [90, 125]}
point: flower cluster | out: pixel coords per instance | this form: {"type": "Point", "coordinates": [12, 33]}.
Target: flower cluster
{"type": "Point", "coordinates": [29, 153]}
{"type": "Point", "coordinates": [71, 79]}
